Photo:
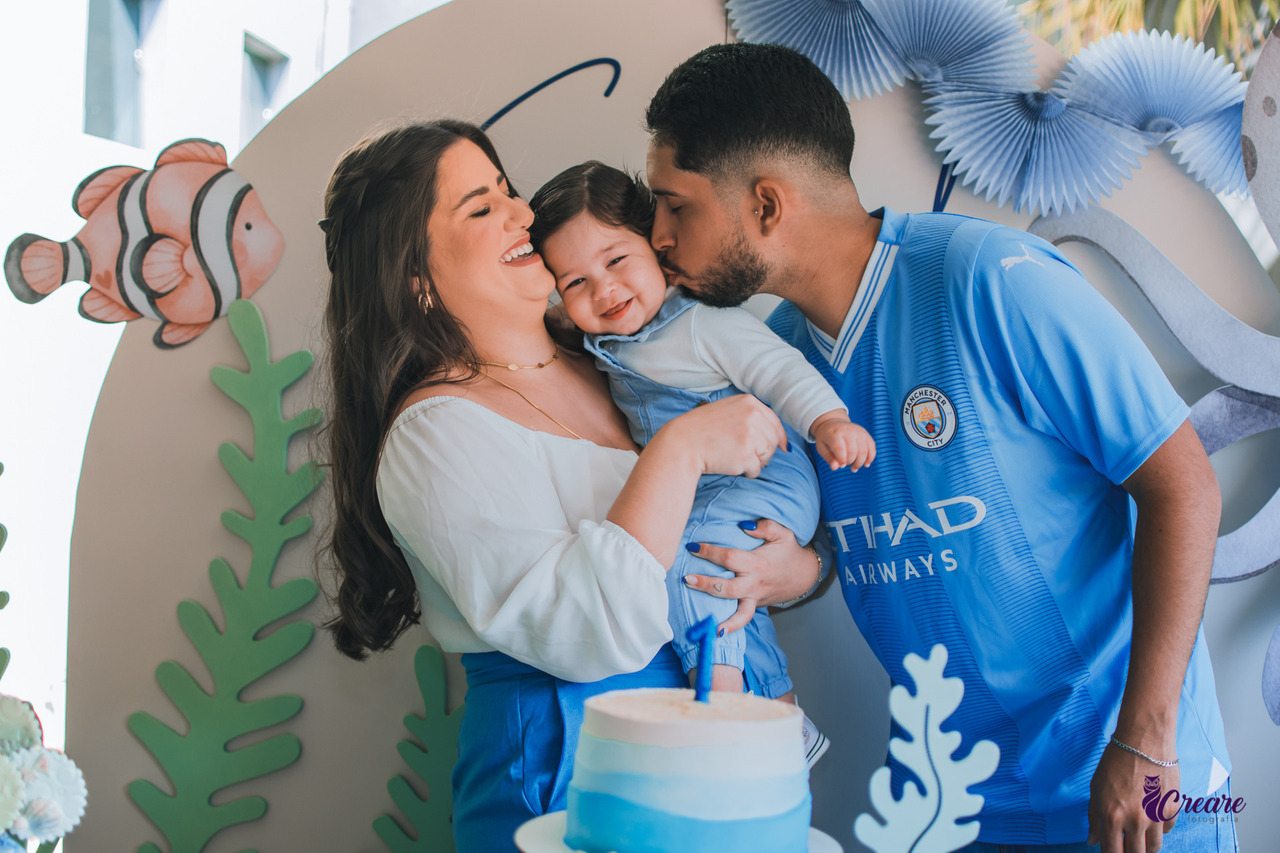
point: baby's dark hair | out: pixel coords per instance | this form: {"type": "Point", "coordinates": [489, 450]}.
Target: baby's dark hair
{"type": "Point", "coordinates": [610, 195]}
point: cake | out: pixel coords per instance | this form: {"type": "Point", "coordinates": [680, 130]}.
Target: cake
{"type": "Point", "coordinates": [657, 772]}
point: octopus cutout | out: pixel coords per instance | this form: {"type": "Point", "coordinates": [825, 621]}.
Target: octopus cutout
{"type": "Point", "coordinates": [1246, 359]}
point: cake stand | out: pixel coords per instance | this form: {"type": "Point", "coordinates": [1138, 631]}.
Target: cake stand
{"type": "Point", "coordinates": [546, 835]}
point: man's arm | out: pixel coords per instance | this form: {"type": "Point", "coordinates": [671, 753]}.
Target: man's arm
{"type": "Point", "coordinates": [1179, 506]}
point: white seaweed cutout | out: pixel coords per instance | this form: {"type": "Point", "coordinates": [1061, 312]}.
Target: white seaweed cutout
{"type": "Point", "coordinates": [925, 820]}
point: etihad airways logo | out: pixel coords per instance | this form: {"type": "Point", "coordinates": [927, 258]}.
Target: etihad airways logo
{"type": "Point", "coordinates": [942, 518]}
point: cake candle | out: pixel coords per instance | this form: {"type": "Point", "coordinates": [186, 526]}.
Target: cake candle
{"type": "Point", "coordinates": [704, 634]}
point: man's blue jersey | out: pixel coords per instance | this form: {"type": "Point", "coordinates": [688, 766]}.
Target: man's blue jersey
{"type": "Point", "coordinates": [1007, 399]}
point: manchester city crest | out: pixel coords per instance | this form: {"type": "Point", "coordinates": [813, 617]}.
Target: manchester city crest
{"type": "Point", "coordinates": [928, 418]}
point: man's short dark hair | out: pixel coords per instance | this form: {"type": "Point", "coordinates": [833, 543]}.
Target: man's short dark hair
{"type": "Point", "coordinates": [730, 104]}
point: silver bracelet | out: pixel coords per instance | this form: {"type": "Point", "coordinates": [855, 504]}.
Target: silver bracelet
{"type": "Point", "coordinates": [808, 592]}
{"type": "Point", "coordinates": [1142, 754]}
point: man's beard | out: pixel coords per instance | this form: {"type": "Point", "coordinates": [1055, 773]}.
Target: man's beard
{"type": "Point", "coordinates": [736, 273]}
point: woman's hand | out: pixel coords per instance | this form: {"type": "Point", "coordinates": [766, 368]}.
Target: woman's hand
{"type": "Point", "coordinates": [734, 435]}
{"type": "Point", "coordinates": [777, 571]}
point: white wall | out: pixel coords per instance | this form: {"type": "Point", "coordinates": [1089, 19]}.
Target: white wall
{"type": "Point", "coordinates": [52, 361]}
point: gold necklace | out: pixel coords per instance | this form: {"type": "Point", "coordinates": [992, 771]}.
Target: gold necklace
{"type": "Point", "coordinates": [530, 402]}
{"type": "Point", "coordinates": [554, 356]}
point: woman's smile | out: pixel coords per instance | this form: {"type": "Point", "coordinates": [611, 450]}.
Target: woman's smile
{"type": "Point", "coordinates": [521, 254]}
{"type": "Point", "coordinates": [479, 216]}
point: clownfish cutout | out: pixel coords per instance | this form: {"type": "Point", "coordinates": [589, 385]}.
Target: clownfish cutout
{"type": "Point", "coordinates": [178, 243]}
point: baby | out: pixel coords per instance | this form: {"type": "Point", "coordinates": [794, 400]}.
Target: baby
{"type": "Point", "coordinates": [665, 353]}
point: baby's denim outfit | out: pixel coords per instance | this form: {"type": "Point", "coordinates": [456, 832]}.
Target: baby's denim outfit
{"type": "Point", "coordinates": [786, 491]}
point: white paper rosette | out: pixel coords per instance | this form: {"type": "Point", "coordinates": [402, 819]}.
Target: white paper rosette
{"type": "Point", "coordinates": [1032, 147]}
{"type": "Point", "coordinates": [838, 35]}
{"type": "Point", "coordinates": [19, 726]}
{"type": "Point", "coordinates": [1168, 88]}
{"type": "Point", "coordinates": [11, 795]}
{"type": "Point", "coordinates": [54, 794]}
{"type": "Point", "coordinates": [945, 43]}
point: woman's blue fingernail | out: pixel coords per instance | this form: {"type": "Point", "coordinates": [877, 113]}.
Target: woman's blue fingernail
{"type": "Point", "coordinates": [747, 525]}
{"type": "Point", "coordinates": [688, 580]}
{"type": "Point", "coordinates": [693, 547]}
{"type": "Point", "coordinates": [720, 633]}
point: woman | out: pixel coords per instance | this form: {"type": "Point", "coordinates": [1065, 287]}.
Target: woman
{"type": "Point", "coordinates": [483, 479]}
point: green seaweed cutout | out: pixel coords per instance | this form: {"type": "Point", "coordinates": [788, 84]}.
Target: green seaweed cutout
{"type": "Point", "coordinates": [4, 596]}
{"type": "Point", "coordinates": [199, 763]}
{"type": "Point", "coordinates": [437, 730]}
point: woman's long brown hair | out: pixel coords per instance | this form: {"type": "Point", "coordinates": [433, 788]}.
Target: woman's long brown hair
{"type": "Point", "coordinates": [388, 334]}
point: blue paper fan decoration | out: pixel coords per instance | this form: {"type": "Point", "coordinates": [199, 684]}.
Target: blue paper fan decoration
{"type": "Point", "coordinates": [838, 35]}
{"type": "Point", "coordinates": [1032, 147]}
{"type": "Point", "coordinates": [1047, 151]}
{"type": "Point", "coordinates": [966, 43]}
{"type": "Point", "coordinates": [1170, 89]}
{"type": "Point", "coordinates": [1210, 151]}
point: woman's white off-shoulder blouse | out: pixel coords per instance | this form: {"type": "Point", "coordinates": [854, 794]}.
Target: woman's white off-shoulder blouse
{"type": "Point", "coordinates": [504, 529]}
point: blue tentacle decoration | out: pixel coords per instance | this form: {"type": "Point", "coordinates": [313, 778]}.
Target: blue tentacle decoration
{"type": "Point", "coordinates": [1222, 344]}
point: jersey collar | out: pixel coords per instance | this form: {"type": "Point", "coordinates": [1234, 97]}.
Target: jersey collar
{"type": "Point", "coordinates": [839, 350]}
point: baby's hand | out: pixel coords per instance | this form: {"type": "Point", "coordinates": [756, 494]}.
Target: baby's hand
{"type": "Point", "coordinates": [842, 442]}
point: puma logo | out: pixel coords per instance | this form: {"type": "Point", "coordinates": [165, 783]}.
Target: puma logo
{"type": "Point", "coordinates": [1010, 262]}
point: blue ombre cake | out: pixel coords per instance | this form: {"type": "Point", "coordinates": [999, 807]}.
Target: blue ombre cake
{"type": "Point", "coordinates": [657, 772]}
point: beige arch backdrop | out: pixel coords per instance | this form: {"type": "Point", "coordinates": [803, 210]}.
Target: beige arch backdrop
{"type": "Point", "coordinates": [152, 489]}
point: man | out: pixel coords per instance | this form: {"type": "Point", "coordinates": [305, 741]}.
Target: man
{"type": "Point", "coordinates": [1039, 503]}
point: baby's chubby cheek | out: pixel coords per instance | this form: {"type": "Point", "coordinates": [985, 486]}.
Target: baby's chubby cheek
{"type": "Point", "coordinates": [580, 313]}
